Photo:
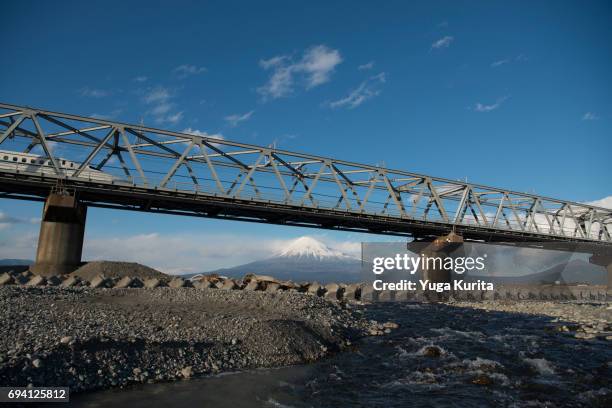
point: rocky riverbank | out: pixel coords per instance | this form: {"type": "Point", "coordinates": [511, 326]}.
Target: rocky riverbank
{"type": "Point", "coordinates": [580, 319]}
{"type": "Point", "coordinates": [89, 338]}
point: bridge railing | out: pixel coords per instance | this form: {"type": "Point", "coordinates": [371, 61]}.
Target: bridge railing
{"type": "Point", "coordinates": [109, 152]}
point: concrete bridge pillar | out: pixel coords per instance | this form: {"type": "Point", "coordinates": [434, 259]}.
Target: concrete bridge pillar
{"type": "Point", "coordinates": [446, 246]}
{"type": "Point", "coordinates": [604, 258]}
{"type": "Point", "coordinates": [60, 242]}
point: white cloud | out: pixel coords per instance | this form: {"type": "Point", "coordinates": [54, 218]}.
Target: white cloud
{"type": "Point", "coordinates": [504, 61]}
{"type": "Point", "coordinates": [443, 42]}
{"type": "Point", "coordinates": [141, 78]}
{"type": "Point", "coordinates": [201, 133]}
{"type": "Point", "coordinates": [368, 89]}
{"type": "Point", "coordinates": [314, 68]}
{"type": "Point", "coordinates": [499, 63]}
{"type": "Point", "coordinates": [19, 246]}
{"type": "Point", "coordinates": [366, 67]}
{"type": "Point", "coordinates": [157, 95]}
{"type": "Point", "coordinates": [273, 62]}
{"type": "Point", "coordinates": [236, 118]}
{"type": "Point", "coordinates": [191, 253]}
{"type": "Point", "coordinates": [479, 107]}
{"type": "Point", "coordinates": [183, 71]}
{"type": "Point", "coordinates": [174, 118]}
{"type": "Point", "coordinates": [162, 108]}
{"type": "Point", "coordinates": [319, 63]}
{"type": "Point", "coordinates": [590, 116]}
{"type": "Point", "coordinates": [94, 92]}
{"type": "Point", "coordinates": [605, 202]}
{"type": "Point", "coordinates": [106, 116]}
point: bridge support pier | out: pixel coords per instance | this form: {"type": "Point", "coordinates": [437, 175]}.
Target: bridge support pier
{"type": "Point", "coordinates": [604, 258]}
{"type": "Point", "coordinates": [446, 246]}
{"type": "Point", "coordinates": [60, 243]}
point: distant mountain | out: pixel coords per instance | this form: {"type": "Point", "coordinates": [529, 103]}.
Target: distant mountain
{"type": "Point", "coordinates": [305, 259]}
{"type": "Point", "coordinates": [4, 262]}
{"type": "Point", "coordinates": [17, 265]}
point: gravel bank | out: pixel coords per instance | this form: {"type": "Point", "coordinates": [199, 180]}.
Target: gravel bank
{"type": "Point", "coordinates": [113, 269]}
{"type": "Point", "coordinates": [98, 338]}
{"type": "Point", "coordinates": [581, 319]}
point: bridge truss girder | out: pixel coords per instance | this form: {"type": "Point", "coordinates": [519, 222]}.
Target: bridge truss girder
{"type": "Point", "coordinates": [163, 171]}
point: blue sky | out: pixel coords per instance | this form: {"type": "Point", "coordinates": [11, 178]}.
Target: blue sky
{"type": "Point", "coordinates": [510, 94]}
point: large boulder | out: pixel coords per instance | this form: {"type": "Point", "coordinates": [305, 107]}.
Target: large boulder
{"type": "Point", "coordinates": [99, 281]}
{"type": "Point", "coordinates": [368, 294]}
{"type": "Point", "coordinates": [331, 291]}
{"type": "Point", "coordinates": [259, 278]}
{"type": "Point", "coordinates": [21, 279]}
{"type": "Point", "coordinates": [152, 283]}
{"type": "Point", "coordinates": [201, 284]}
{"type": "Point", "coordinates": [71, 281]}
{"type": "Point", "coordinates": [313, 288]}
{"type": "Point", "coordinates": [124, 282]}
{"type": "Point", "coordinates": [54, 280]}
{"type": "Point", "coordinates": [272, 287]}
{"type": "Point", "coordinates": [179, 282]}
{"type": "Point", "coordinates": [252, 285]}
{"type": "Point", "coordinates": [229, 284]}
{"type": "Point", "coordinates": [6, 279]}
{"type": "Point", "coordinates": [37, 280]}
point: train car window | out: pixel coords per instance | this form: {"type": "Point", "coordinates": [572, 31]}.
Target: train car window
{"type": "Point", "coordinates": [41, 162]}
{"type": "Point", "coordinates": [5, 158]}
{"type": "Point", "coordinates": [64, 162]}
{"type": "Point", "coordinates": [14, 159]}
{"type": "Point", "coordinates": [23, 160]}
{"type": "Point", "coordinates": [32, 161]}
{"type": "Point", "coordinates": [71, 164]}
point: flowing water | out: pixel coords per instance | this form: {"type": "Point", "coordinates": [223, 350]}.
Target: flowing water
{"type": "Point", "coordinates": [440, 356]}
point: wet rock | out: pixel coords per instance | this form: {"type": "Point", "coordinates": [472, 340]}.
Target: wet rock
{"type": "Point", "coordinates": [66, 339]}
{"type": "Point", "coordinates": [186, 372]}
{"type": "Point", "coordinates": [431, 351]}
{"type": "Point", "coordinates": [482, 379]}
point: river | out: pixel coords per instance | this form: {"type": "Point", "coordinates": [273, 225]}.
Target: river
{"type": "Point", "coordinates": [441, 356]}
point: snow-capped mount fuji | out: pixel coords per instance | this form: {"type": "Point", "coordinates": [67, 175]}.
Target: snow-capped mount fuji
{"type": "Point", "coordinates": [310, 248]}
{"type": "Point", "coordinates": [303, 259]}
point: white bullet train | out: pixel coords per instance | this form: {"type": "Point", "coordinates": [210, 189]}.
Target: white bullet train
{"type": "Point", "coordinates": [33, 163]}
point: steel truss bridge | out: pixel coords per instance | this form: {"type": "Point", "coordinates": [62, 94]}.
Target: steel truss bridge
{"type": "Point", "coordinates": [117, 165]}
